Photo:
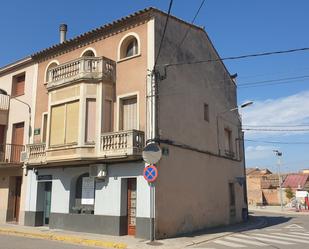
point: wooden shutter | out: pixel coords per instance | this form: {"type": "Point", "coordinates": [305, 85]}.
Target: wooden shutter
{"type": "Point", "coordinates": [108, 116]}
{"type": "Point", "coordinates": [57, 125]}
{"type": "Point", "coordinates": [90, 120]}
{"type": "Point", "coordinates": [18, 85]}
{"type": "Point", "coordinates": [129, 117]}
{"type": "Point", "coordinates": [72, 120]}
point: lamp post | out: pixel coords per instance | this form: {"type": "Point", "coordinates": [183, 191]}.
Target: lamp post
{"type": "Point", "coordinates": [279, 155]}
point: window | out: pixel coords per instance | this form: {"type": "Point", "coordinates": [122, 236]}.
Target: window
{"type": "Point", "coordinates": [129, 47]}
{"type": "Point", "coordinates": [88, 53]}
{"type": "Point", "coordinates": [64, 124]}
{"type": "Point", "coordinates": [128, 114]}
{"type": "Point", "coordinates": [18, 85]}
{"type": "Point", "coordinates": [206, 112]}
{"type": "Point", "coordinates": [50, 74]}
{"type": "Point", "coordinates": [90, 120]}
{"type": "Point", "coordinates": [228, 142]}
{"type": "Point", "coordinates": [84, 195]}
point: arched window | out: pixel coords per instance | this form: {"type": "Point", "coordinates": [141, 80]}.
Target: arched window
{"type": "Point", "coordinates": [88, 53]}
{"type": "Point", "coordinates": [50, 74]}
{"type": "Point", "coordinates": [129, 47]}
{"type": "Point", "coordinates": [83, 202]}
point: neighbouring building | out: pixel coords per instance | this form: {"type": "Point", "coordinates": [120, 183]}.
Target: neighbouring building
{"type": "Point", "coordinates": [17, 91]}
{"type": "Point", "coordinates": [296, 182]}
{"type": "Point", "coordinates": [100, 98]}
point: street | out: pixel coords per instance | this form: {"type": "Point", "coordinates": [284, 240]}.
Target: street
{"type": "Point", "coordinates": [281, 231]}
{"type": "Point", "coordinates": [16, 242]}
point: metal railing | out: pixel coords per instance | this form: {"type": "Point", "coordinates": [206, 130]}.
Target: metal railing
{"type": "Point", "coordinates": [122, 143]}
{"type": "Point", "coordinates": [4, 102]}
{"type": "Point", "coordinates": [94, 67]}
{"type": "Point", "coordinates": [10, 153]}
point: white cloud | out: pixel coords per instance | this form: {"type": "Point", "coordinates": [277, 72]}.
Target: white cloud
{"type": "Point", "coordinates": [288, 110]}
{"type": "Point", "coordinates": [259, 152]}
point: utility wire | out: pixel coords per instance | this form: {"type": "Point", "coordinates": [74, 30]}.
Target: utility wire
{"type": "Point", "coordinates": [164, 30]}
{"type": "Point", "coordinates": [283, 130]}
{"type": "Point", "coordinates": [275, 142]}
{"type": "Point", "coordinates": [240, 57]}
{"type": "Point", "coordinates": [279, 125]}
{"type": "Point", "coordinates": [274, 80]}
{"type": "Point", "coordinates": [189, 28]}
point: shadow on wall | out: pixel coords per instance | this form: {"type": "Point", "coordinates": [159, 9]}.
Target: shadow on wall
{"type": "Point", "coordinates": [242, 227]}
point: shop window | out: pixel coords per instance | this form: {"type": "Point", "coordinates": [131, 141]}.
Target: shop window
{"type": "Point", "coordinates": [64, 124]}
{"type": "Point", "coordinates": [18, 85]}
{"type": "Point", "coordinates": [84, 195]}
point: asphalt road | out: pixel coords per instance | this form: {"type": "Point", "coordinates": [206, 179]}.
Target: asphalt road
{"type": "Point", "coordinates": [281, 232]}
{"type": "Point", "coordinates": [16, 242]}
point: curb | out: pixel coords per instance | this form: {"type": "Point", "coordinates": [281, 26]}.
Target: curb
{"type": "Point", "coordinates": [261, 223]}
{"type": "Point", "coordinates": [65, 238]}
{"type": "Point", "coordinates": [286, 212]}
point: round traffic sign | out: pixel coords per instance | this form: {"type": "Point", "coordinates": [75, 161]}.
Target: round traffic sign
{"type": "Point", "coordinates": [150, 173]}
{"type": "Point", "coordinates": [152, 153]}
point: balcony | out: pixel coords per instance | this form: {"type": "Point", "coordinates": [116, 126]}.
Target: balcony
{"type": "Point", "coordinates": [84, 68]}
{"type": "Point", "coordinates": [122, 143]}
{"type": "Point", "coordinates": [113, 146]}
{"type": "Point", "coordinates": [11, 153]}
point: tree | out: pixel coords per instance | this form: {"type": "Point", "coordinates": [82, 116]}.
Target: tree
{"type": "Point", "coordinates": [289, 193]}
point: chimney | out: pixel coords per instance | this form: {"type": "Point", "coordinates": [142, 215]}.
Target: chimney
{"type": "Point", "coordinates": [63, 32]}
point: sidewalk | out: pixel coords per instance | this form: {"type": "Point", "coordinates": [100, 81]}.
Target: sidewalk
{"type": "Point", "coordinates": [277, 209]}
{"type": "Point", "coordinates": [106, 241]}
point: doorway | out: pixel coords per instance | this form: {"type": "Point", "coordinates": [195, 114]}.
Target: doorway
{"type": "Point", "coordinates": [131, 205]}
{"type": "Point", "coordinates": [14, 199]}
{"type": "Point", "coordinates": [47, 202]}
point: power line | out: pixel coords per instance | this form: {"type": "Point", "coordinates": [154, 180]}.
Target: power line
{"type": "Point", "coordinates": [164, 30]}
{"type": "Point", "coordinates": [275, 142]}
{"type": "Point", "coordinates": [240, 57]}
{"type": "Point", "coordinates": [274, 80]}
{"type": "Point", "coordinates": [279, 125]}
{"type": "Point", "coordinates": [279, 130]}
{"type": "Point", "coordinates": [189, 28]}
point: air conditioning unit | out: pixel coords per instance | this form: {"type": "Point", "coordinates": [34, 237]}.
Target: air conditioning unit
{"type": "Point", "coordinates": [97, 170]}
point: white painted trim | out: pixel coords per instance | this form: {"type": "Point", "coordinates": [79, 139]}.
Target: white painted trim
{"type": "Point", "coordinates": [150, 110]}
{"type": "Point", "coordinates": [125, 96]}
{"type": "Point", "coordinates": [42, 125]}
{"type": "Point", "coordinates": [33, 104]}
{"type": "Point", "coordinates": [123, 39]}
{"type": "Point", "coordinates": [89, 49]}
{"type": "Point", "coordinates": [48, 65]}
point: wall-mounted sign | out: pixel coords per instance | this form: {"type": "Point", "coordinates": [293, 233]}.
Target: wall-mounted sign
{"type": "Point", "coordinates": [37, 131]}
{"type": "Point", "coordinates": [88, 191]}
{"type": "Point", "coordinates": [152, 153]}
{"type": "Point", "coordinates": [44, 177]}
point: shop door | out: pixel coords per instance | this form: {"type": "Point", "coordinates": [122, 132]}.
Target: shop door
{"type": "Point", "coordinates": [131, 206]}
{"type": "Point", "coordinates": [17, 142]}
{"type": "Point", "coordinates": [47, 201]}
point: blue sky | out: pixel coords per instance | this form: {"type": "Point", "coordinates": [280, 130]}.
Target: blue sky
{"type": "Point", "coordinates": [235, 27]}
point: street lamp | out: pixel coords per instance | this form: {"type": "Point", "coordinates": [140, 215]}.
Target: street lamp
{"type": "Point", "coordinates": [279, 155]}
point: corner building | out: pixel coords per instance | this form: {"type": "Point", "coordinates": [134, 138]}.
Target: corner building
{"type": "Point", "coordinates": [97, 104]}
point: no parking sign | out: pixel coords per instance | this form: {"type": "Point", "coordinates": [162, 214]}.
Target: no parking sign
{"type": "Point", "coordinates": [150, 173]}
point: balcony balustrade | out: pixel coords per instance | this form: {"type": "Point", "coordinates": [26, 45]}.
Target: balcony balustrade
{"type": "Point", "coordinates": [122, 143]}
{"type": "Point", "coordinates": [94, 68]}
{"type": "Point", "coordinates": [10, 153]}
{"type": "Point", "coordinates": [113, 145]}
